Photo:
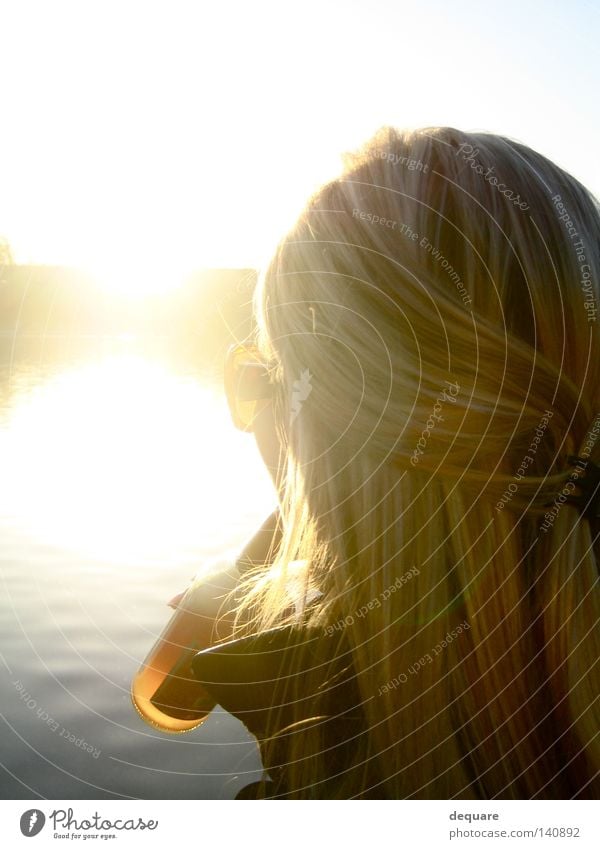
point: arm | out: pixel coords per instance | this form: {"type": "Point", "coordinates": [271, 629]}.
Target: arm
{"type": "Point", "coordinates": [264, 543]}
{"type": "Point", "coordinates": [259, 549]}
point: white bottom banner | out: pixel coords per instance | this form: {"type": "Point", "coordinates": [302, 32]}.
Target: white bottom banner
{"type": "Point", "coordinates": [249, 824]}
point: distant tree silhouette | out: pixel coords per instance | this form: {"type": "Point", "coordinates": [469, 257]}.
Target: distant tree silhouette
{"type": "Point", "coordinates": [6, 257]}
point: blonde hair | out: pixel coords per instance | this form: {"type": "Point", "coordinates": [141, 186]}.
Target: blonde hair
{"type": "Point", "coordinates": [432, 322]}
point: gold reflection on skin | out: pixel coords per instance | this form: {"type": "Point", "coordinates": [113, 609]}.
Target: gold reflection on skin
{"type": "Point", "coordinates": [123, 459]}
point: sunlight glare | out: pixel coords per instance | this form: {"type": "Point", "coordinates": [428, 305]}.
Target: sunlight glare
{"type": "Point", "coordinates": [134, 277]}
{"type": "Point", "coordinates": [123, 460]}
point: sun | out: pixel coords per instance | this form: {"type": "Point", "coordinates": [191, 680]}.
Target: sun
{"type": "Point", "coordinates": [139, 276]}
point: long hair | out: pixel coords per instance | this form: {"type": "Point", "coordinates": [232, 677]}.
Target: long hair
{"type": "Point", "coordinates": [432, 323]}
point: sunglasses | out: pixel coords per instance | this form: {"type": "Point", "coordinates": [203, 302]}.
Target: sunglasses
{"type": "Point", "coordinates": [248, 384]}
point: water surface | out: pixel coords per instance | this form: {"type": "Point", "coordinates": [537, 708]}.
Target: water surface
{"type": "Point", "coordinates": [121, 475]}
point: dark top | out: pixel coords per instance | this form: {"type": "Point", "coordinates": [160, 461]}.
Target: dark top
{"type": "Point", "coordinates": [249, 677]}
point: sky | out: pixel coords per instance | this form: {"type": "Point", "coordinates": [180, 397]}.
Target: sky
{"type": "Point", "coordinates": [141, 140]}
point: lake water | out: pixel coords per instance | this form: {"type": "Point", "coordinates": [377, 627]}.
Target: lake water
{"type": "Point", "coordinates": [120, 474]}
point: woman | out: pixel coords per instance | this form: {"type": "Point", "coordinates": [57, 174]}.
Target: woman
{"type": "Point", "coordinates": [429, 330]}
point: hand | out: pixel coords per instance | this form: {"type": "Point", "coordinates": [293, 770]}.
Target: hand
{"type": "Point", "coordinates": [174, 602]}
